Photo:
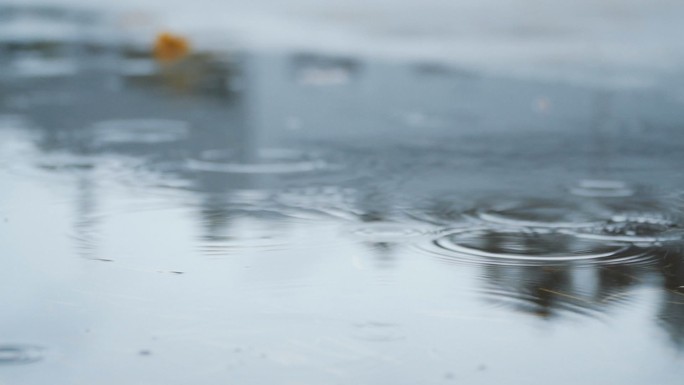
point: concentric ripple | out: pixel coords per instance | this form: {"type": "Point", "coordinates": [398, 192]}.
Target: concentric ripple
{"type": "Point", "coordinates": [542, 302]}
{"type": "Point", "coordinates": [20, 354]}
{"type": "Point", "coordinates": [514, 246]}
{"type": "Point", "coordinates": [597, 188]}
{"type": "Point", "coordinates": [264, 161]}
{"type": "Point", "coordinates": [140, 131]}
{"type": "Point", "coordinates": [388, 232]}
{"type": "Point", "coordinates": [539, 213]}
{"type": "Point", "coordinates": [444, 210]}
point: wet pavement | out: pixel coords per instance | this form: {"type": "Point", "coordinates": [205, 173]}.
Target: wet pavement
{"type": "Point", "coordinates": [299, 218]}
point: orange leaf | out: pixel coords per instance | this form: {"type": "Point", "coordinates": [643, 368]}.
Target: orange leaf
{"type": "Point", "coordinates": [169, 47]}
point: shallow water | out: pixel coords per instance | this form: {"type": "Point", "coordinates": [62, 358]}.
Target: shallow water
{"type": "Point", "coordinates": [298, 218]}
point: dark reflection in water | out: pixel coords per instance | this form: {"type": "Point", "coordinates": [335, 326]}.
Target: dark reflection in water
{"type": "Point", "coordinates": [19, 354]}
{"type": "Point", "coordinates": [273, 186]}
{"type": "Point", "coordinates": [671, 313]}
{"type": "Point", "coordinates": [563, 291]}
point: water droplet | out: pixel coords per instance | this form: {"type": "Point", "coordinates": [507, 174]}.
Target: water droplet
{"type": "Point", "coordinates": [20, 354]}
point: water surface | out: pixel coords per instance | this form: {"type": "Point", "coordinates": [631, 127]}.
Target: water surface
{"type": "Point", "coordinates": [300, 218]}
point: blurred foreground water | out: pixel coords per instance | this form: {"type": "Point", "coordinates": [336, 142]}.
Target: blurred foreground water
{"type": "Point", "coordinates": [250, 218]}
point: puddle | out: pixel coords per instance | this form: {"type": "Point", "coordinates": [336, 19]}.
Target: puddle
{"type": "Point", "coordinates": [328, 217]}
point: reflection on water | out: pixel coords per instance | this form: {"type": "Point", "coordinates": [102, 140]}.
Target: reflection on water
{"type": "Point", "coordinates": [304, 232]}
{"type": "Point", "coordinates": [19, 354]}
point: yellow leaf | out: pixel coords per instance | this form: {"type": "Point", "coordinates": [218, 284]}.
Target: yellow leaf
{"type": "Point", "coordinates": [170, 48]}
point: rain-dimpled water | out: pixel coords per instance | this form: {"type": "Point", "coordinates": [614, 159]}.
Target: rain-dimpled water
{"type": "Point", "coordinates": [300, 217]}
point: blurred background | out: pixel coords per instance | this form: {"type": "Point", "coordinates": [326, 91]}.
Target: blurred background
{"type": "Point", "coordinates": [618, 42]}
